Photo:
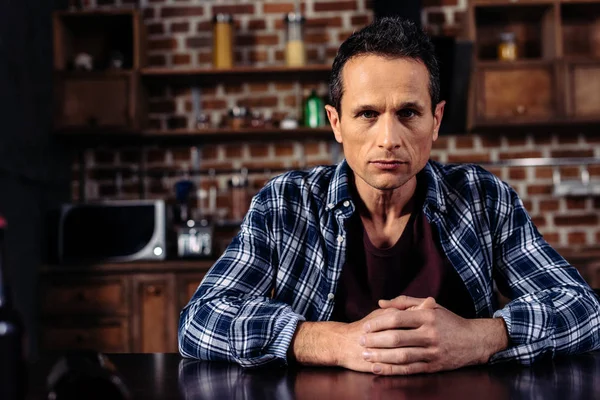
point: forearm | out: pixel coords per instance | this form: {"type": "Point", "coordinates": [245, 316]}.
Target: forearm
{"type": "Point", "coordinates": [316, 343]}
{"type": "Point", "coordinates": [490, 336]}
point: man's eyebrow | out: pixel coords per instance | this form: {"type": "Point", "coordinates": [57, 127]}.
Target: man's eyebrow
{"type": "Point", "coordinates": [411, 104]}
{"type": "Point", "coordinates": [404, 105]}
{"type": "Point", "coordinates": [363, 107]}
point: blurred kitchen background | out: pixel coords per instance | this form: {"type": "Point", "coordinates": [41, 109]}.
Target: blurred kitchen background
{"type": "Point", "coordinates": [184, 109]}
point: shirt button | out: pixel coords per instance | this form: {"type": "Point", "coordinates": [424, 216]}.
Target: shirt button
{"type": "Point", "coordinates": [330, 296]}
{"type": "Point", "coordinates": [340, 239]}
{"type": "Point", "coordinates": [346, 203]}
{"type": "Point", "coordinates": [330, 205]}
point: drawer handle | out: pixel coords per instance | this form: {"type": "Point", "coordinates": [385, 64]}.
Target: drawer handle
{"type": "Point", "coordinates": [520, 110]}
{"type": "Point", "coordinates": [153, 290]}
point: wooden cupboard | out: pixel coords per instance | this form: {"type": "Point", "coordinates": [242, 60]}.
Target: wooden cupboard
{"type": "Point", "coordinates": [555, 77]}
{"type": "Point", "coordinates": [132, 307]}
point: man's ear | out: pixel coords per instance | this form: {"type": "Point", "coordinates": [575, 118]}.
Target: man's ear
{"type": "Point", "coordinates": [437, 118]}
{"type": "Point", "coordinates": [334, 121]}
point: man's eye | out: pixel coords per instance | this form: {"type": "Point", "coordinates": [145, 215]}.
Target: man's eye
{"type": "Point", "coordinates": [368, 114]}
{"type": "Point", "coordinates": [408, 113]}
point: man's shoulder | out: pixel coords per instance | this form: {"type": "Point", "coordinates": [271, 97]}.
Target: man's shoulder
{"type": "Point", "coordinates": [457, 175]}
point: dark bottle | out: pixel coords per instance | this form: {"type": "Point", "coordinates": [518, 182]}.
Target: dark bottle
{"type": "Point", "coordinates": [12, 360]}
{"type": "Point", "coordinates": [86, 375]}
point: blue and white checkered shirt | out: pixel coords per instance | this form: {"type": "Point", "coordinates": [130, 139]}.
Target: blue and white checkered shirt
{"type": "Point", "coordinates": [293, 239]}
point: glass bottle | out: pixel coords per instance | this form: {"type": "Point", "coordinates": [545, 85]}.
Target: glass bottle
{"type": "Point", "coordinates": [314, 111]}
{"type": "Point", "coordinates": [223, 41]}
{"type": "Point", "coordinates": [507, 48]}
{"type": "Point", "coordinates": [12, 360]}
{"type": "Point", "coordinates": [295, 52]}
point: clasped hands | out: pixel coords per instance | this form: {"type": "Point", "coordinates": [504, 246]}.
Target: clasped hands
{"type": "Point", "coordinates": [410, 335]}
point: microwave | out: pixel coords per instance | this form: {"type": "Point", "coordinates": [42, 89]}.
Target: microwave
{"type": "Point", "coordinates": [112, 231]}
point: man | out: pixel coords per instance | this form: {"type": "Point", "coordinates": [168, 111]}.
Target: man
{"type": "Point", "coordinates": [385, 263]}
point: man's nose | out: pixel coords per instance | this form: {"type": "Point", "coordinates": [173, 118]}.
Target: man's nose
{"type": "Point", "coordinates": [390, 133]}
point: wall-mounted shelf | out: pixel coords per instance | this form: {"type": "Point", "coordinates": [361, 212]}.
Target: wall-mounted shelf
{"type": "Point", "coordinates": [242, 70]}
{"type": "Point", "coordinates": [237, 74]}
{"type": "Point", "coordinates": [93, 135]}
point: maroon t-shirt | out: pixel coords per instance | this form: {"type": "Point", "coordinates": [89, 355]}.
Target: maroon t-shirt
{"type": "Point", "coordinates": [415, 266]}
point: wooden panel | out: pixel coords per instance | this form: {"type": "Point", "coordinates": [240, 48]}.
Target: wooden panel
{"type": "Point", "coordinates": [91, 295]}
{"type": "Point", "coordinates": [186, 287]}
{"type": "Point", "coordinates": [104, 335]}
{"type": "Point", "coordinates": [519, 94]}
{"type": "Point", "coordinates": [94, 101]}
{"type": "Point", "coordinates": [155, 315]}
{"type": "Point", "coordinates": [586, 91]}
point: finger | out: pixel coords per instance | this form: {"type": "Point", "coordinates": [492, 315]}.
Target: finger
{"type": "Point", "coordinates": [429, 303]}
{"type": "Point", "coordinates": [408, 369]}
{"type": "Point", "coordinates": [394, 319]}
{"type": "Point", "coordinates": [401, 302]}
{"type": "Point", "coordinates": [400, 356]}
{"type": "Point", "coordinates": [395, 338]}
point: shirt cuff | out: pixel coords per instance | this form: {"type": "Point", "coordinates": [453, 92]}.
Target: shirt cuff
{"type": "Point", "coordinates": [530, 324]}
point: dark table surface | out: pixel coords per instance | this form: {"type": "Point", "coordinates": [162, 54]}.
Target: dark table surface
{"type": "Point", "coordinates": [168, 376]}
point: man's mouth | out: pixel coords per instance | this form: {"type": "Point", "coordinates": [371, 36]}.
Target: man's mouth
{"type": "Point", "coordinates": [387, 164]}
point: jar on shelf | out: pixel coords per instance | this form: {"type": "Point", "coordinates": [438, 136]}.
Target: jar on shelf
{"type": "Point", "coordinates": [295, 52]}
{"type": "Point", "coordinates": [223, 41]}
{"type": "Point", "coordinates": [507, 48]}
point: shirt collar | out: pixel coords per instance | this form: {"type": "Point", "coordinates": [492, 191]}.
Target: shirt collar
{"type": "Point", "coordinates": [338, 190]}
{"type": "Point", "coordinates": [434, 196]}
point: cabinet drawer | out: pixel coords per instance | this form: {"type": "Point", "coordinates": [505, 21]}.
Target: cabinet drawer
{"type": "Point", "coordinates": [101, 296]}
{"type": "Point", "coordinates": [517, 94]}
{"type": "Point", "coordinates": [105, 336]}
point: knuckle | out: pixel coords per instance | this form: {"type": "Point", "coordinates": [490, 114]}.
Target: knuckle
{"type": "Point", "coordinates": [433, 338]}
{"type": "Point", "coordinates": [402, 358]}
{"type": "Point", "coordinates": [396, 339]}
{"type": "Point", "coordinates": [429, 317]}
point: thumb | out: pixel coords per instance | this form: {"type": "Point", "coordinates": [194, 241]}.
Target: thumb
{"type": "Point", "coordinates": [407, 303]}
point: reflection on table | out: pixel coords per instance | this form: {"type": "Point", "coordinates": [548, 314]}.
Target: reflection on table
{"type": "Point", "coordinates": [168, 376]}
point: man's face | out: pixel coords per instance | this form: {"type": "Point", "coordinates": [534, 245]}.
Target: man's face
{"type": "Point", "coordinates": [386, 127]}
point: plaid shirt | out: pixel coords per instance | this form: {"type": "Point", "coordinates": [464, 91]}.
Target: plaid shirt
{"type": "Point", "coordinates": [293, 240]}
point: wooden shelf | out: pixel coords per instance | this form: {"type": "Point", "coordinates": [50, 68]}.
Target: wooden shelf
{"type": "Point", "coordinates": [99, 74]}
{"type": "Point", "coordinates": [209, 75]}
{"type": "Point", "coordinates": [522, 63]}
{"type": "Point", "coordinates": [246, 133]}
{"type": "Point", "coordinates": [245, 70]}
{"type": "Point", "coordinates": [199, 265]}
{"type": "Point", "coordinates": [91, 136]}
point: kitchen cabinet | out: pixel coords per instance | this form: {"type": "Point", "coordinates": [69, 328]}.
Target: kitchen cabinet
{"type": "Point", "coordinates": [97, 58]}
{"type": "Point", "coordinates": [128, 307]}
{"type": "Point", "coordinates": [556, 75]}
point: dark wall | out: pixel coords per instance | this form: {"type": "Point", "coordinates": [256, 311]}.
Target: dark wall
{"type": "Point", "coordinates": [34, 171]}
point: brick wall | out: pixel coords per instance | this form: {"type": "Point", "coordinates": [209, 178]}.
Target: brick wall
{"type": "Point", "coordinates": [179, 36]}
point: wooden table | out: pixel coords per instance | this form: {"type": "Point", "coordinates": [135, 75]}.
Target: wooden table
{"type": "Point", "coordinates": [168, 376]}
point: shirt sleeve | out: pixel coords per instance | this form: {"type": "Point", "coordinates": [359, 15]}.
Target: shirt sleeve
{"type": "Point", "coordinates": [553, 311]}
{"type": "Point", "coordinates": [231, 317]}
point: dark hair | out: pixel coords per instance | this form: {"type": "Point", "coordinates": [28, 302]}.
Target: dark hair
{"type": "Point", "coordinates": [392, 37]}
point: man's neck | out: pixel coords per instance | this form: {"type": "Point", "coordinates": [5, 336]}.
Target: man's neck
{"type": "Point", "coordinates": [385, 214]}
{"type": "Point", "coordinates": [382, 207]}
